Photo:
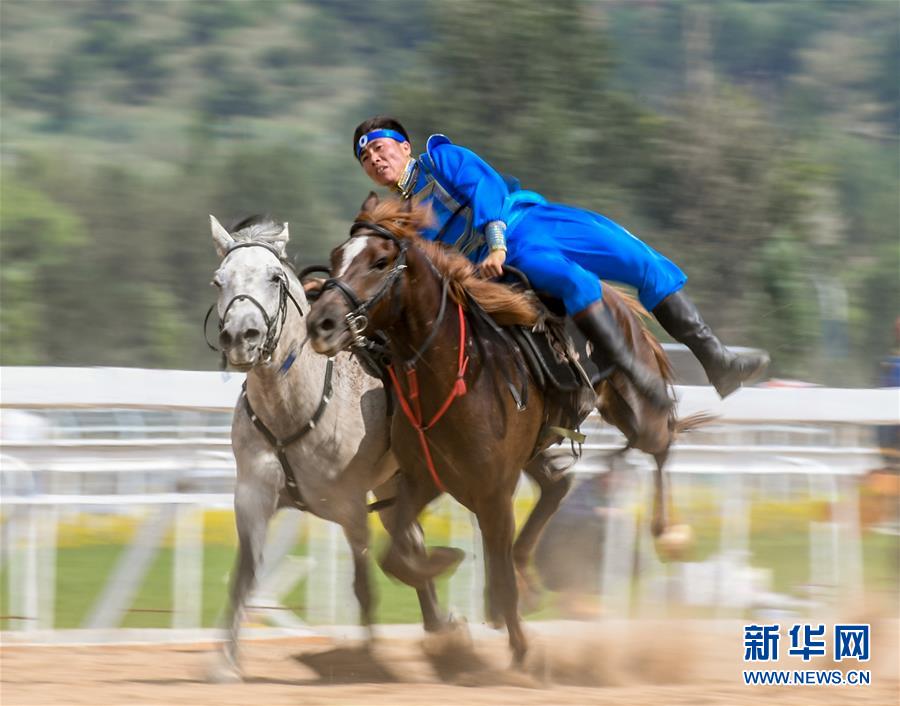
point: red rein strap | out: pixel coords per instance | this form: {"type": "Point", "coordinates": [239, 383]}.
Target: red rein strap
{"type": "Point", "coordinates": [415, 416]}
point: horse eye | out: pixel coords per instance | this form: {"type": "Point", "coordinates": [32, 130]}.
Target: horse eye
{"type": "Point", "coordinates": [215, 283]}
{"type": "Point", "coordinates": [381, 263]}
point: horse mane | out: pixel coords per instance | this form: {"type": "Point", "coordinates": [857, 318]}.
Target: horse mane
{"type": "Point", "coordinates": [259, 228]}
{"type": "Point", "coordinates": [632, 319]}
{"type": "Point", "coordinates": [505, 305]}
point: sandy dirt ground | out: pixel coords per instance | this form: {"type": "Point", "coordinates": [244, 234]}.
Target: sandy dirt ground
{"type": "Point", "coordinates": [653, 664]}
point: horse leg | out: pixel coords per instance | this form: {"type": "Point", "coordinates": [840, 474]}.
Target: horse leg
{"type": "Point", "coordinates": [615, 456]}
{"type": "Point", "coordinates": [671, 540]}
{"type": "Point", "coordinates": [254, 505]}
{"type": "Point", "coordinates": [493, 610]}
{"type": "Point", "coordinates": [661, 495]}
{"type": "Point", "coordinates": [433, 620]}
{"type": "Point", "coordinates": [357, 534]}
{"type": "Point", "coordinates": [400, 560]}
{"type": "Point", "coordinates": [498, 526]}
{"type": "Point", "coordinates": [553, 487]}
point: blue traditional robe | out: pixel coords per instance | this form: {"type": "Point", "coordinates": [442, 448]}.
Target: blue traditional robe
{"type": "Point", "coordinates": [564, 251]}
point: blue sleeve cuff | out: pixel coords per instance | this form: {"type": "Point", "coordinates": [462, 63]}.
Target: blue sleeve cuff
{"type": "Point", "coordinates": [495, 235]}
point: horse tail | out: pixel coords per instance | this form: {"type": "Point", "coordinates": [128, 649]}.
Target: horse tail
{"type": "Point", "coordinates": [639, 316]}
{"type": "Point", "coordinates": [694, 421]}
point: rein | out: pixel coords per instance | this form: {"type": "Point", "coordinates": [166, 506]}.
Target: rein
{"type": "Point", "coordinates": [357, 322]}
{"type": "Point", "coordinates": [357, 319]}
{"type": "Point", "coordinates": [412, 408]}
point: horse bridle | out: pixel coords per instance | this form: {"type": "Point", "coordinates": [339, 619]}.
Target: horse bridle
{"type": "Point", "coordinates": [357, 318]}
{"type": "Point", "coordinates": [274, 323]}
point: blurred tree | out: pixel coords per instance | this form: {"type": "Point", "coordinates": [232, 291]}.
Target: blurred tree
{"type": "Point", "coordinates": [720, 133]}
{"type": "Point", "coordinates": [387, 24]}
{"type": "Point", "coordinates": [18, 81]}
{"type": "Point", "coordinates": [878, 305]}
{"type": "Point", "coordinates": [59, 93]}
{"type": "Point", "coordinates": [142, 64]}
{"type": "Point", "coordinates": [755, 45]}
{"type": "Point", "coordinates": [713, 193]}
{"type": "Point", "coordinates": [208, 20]}
{"type": "Point", "coordinates": [39, 244]}
{"type": "Point", "coordinates": [531, 94]}
{"type": "Point", "coordinates": [648, 47]}
{"type": "Point", "coordinates": [214, 63]}
{"type": "Point", "coordinates": [322, 32]}
{"type": "Point", "coordinates": [119, 12]}
{"type": "Point", "coordinates": [233, 93]}
{"type": "Point", "coordinates": [283, 183]}
{"type": "Point", "coordinates": [101, 37]}
{"type": "Point", "coordinates": [788, 319]}
{"type": "Point", "coordinates": [884, 81]}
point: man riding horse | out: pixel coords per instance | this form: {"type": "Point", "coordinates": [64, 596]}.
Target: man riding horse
{"type": "Point", "coordinates": [564, 251]}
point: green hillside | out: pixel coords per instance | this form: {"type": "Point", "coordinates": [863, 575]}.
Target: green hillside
{"type": "Point", "coordinates": [755, 143]}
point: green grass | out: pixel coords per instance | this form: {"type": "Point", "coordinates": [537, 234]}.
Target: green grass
{"type": "Point", "coordinates": [82, 571]}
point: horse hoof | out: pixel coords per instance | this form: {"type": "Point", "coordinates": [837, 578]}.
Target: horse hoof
{"type": "Point", "coordinates": [442, 560]}
{"type": "Point", "coordinates": [529, 601]}
{"type": "Point", "coordinates": [674, 542]}
{"type": "Point", "coordinates": [402, 571]}
{"type": "Point", "coordinates": [453, 637]}
{"type": "Point", "coordinates": [370, 639]}
{"type": "Point", "coordinates": [223, 672]}
{"type": "Point", "coordinates": [458, 626]}
{"type": "Point", "coordinates": [529, 592]}
{"type": "Point", "coordinates": [518, 658]}
{"type": "Point", "coordinates": [417, 574]}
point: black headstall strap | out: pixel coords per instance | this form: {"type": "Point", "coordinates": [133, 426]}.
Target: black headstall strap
{"type": "Point", "coordinates": [281, 445]}
{"type": "Point", "coordinates": [357, 318]}
{"type": "Point", "coordinates": [274, 323]}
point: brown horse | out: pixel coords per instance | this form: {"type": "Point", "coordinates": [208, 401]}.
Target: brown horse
{"type": "Point", "coordinates": [646, 427]}
{"type": "Point", "coordinates": [460, 431]}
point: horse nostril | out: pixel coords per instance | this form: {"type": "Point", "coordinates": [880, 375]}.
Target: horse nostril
{"type": "Point", "coordinates": [251, 335]}
{"type": "Point", "coordinates": [327, 324]}
{"type": "Point", "coordinates": [225, 339]}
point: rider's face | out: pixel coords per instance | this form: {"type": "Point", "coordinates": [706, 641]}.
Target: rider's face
{"type": "Point", "coordinates": [385, 159]}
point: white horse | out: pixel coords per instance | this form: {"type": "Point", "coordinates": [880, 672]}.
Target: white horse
{"type": "Point", "coordinates": [308, 432]}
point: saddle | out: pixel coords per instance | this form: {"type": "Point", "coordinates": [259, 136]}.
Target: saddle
{"type": "Point", "coordinates": [553, 358]}
{"type": "Point", "coordinates": [547, 354]}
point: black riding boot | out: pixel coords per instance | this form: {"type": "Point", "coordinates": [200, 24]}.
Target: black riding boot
{"type": "Point", "coordinates": [601, 329]}
{"type": "Point", "coordinates": [726, 370]}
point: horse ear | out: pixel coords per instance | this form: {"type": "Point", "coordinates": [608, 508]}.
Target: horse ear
{"type": "Point", "coordinates": [370, 202]}
{"type": "Point", "coordinates": [407, 206]}
{"type": "Point", "coordinates": [221, 237]}
{"type": "Point", "coordinates": [281, 240]}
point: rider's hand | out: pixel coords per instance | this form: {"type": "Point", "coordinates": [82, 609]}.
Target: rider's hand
{"type": "Point", "coordinates": [492, 265]}
{"type": "Point", "coordinates": [313, 285]}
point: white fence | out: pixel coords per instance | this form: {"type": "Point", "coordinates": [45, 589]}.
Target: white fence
{"type": "Point", "coordinates": [155, 444]}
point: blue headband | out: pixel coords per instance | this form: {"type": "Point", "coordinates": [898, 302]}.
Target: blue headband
{"type": "Point", "coordinates": [376, 135]}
